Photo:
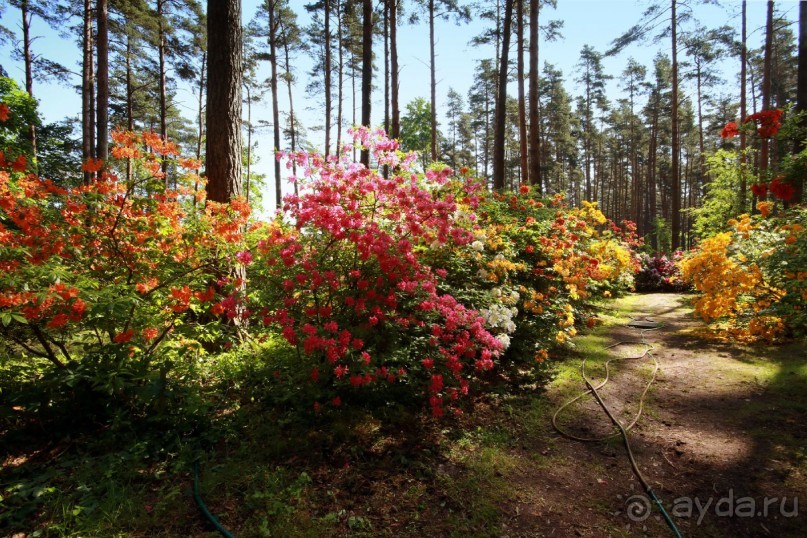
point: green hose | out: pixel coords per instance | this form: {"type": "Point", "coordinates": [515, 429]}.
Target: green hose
{"type": "Point", "coordinates": [210, 517]}
{"type": "Point", "coordinates": [623, 430]}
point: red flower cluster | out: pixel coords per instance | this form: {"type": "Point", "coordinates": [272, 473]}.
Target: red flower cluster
{"type": "Point", "coordinates": [730, 130]}
{"type": "Point", "coordinates": [760, 190]}
{"type": "Point", "coordinates": [767, 122]}
{"type": "Point", "coordinates": [781, 189]}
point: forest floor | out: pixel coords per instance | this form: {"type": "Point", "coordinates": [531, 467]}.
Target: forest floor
{"type": "Point", "coordinates": [722, 441]}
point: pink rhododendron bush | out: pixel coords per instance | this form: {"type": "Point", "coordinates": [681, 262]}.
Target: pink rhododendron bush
{"type": "Point", "coordinates": [341, 277]}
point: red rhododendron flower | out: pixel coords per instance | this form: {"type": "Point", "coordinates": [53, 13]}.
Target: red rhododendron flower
{"type": "Point", "coordinates": [781, 189]}
{"type": "Point", "coordinates": [767, 122]}
{"type": "Point", "coordinates": [730, 130]}
{"type": "Point", "coordinates": [19, 164]}
{"type": "Point", "coordinates": [524, 189]}
{"type": "Point", "coordinates": [58, 321]}
{"type": "Point", "coordinates": [760, 190]}
{"type": "Point", "coordinates": [4, 112]}
{"type": "Point", "coordinates": [123, 337]}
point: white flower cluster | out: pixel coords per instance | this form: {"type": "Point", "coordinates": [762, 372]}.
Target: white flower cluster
{"type": "Point", "coordinates": [499, 316]}
{"type": "Point", "coordinates": [478, 245]}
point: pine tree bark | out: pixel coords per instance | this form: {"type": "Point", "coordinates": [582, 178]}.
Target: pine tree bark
{"type": "Point", "coordinates": [87, 90]}
{"type": "Point", "coordinates": [766, 90]}
{"type": "Point", "coordinates": [29, 75]}
{"type": "Point", "coordinates": [275, 106]}
{"type": "Point", "coordinates": [292, 120]}
{"type": "Point", "coordinates": [102, 80]}
{"type": "Point", "coordinates": [743, 109]}
{"type": "Point", "coordinates": [522, 104]}
{"type": "Point", "coordinates": [327, 69]}
{"type": "Point", "coordinates": [801, 94]}
{"type": "Point", "coordinates": [340, 79]}
{"type": "Point", "coordinates": [675, 183]}
{"type": "Point", "coordinates": [535, 124]}
{"type": "Point", "coordinates": [223, 146]}
{"type": "Point", "coordinates": [163, 83]}
{"type": "Point", "coordinates": [366, 71]}
{"type": "Point", "coordinates": [501, 100]}
{"type": "Point", "coordinates": [433, 84]}
{"type": "Point", "coordinates": [393, 50]}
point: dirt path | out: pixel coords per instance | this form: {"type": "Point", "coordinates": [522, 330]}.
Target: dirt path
{"type": "Point", "coordinates": [723, 441]}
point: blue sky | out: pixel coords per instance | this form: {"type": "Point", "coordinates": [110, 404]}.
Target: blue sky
{"type": "Point", "coordinates": [592, 22]}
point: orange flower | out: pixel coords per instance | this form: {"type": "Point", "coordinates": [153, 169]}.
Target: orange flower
{"type": "Point", "coordinates": [206, 296]}
{"type": "Point", "coordinates": [92, 165]}
{"type": "Point", "coordinates": [190, 164]}
{"type": "Point", "coordinates": [183, 297]}
{"type": "Point", "coordinates": [4, 112]}
{"type": "Point", "coordinates": [765, 208]}
{"type": "Point", "coordinates": [147, 286]}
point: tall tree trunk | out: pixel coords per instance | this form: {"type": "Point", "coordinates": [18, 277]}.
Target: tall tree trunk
{"type": "Point", "coordinates": [676, 157]}
{"type": "Point", "coordinates": [200, 112]}
{"type": "Point", "coordinates": [292, 121]}
{"type": "Point", "coordinates": [327, 69]}
{"type": "Point", "coordinates": [340, 80]}
{"type": "Point", "coordinates": [393, 50]}
{"type": "Point", "coordinates": [535, 125]}
{"type": "Point", "coordinates": [766, 90]}
{"type": "Point", "coordinates": [633, 214]}
{"type": "Point", "coordinates": [433, 84]}
{"type": "Point", "coordinates": [163, 83]}
{"type": "Point", "coordinates": [702, 156]}
{"type": "Point", "coordinates": [801, 94]}
{"type": "Point", "coordinates": [353, 93]}
{"type": "Point", "coordinates": [249, 142]}
{"type": "Point", "coordinates": [102, 104]}
{"type": "Point", "coordinates": [29, 76]}
{"type": "Point", "coordinates": [501, 101]}
{"type": "Point", "coordinates": [366, 71]}
{"type": "Point", "coordinates": [587, 135]}
{"type": "Point", "coordinates": [522, 104]}
{"type": "Point", "coordinates": [275, 108]}
{"type": "Point", "coordinates": [386, 68]}
{"type": "Point", "coordinates": [200, 120]}
{"type": "Point", "coordinates": [129, 103]}
{"type": "Point", "coordinates": [223, 147]}
{"type": "Point", "coordinates": [87, 90]}
{"type": "Point", "coordinates": [743, 110]}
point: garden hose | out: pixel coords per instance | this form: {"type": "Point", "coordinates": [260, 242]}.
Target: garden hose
{"type": "Point", "coordinates": [621, 430]}
{"type": "Point", "coordinates": [203, 508]}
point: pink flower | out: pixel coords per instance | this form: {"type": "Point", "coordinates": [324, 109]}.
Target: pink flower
{"type": "Point", "coordinates": [244, 256]}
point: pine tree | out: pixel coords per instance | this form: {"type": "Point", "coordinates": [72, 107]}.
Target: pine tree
{"type": "Point", "coordinates": [223, 147]}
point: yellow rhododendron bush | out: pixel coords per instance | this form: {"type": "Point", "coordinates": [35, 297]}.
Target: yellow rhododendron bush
{"type": "Point", "coordinates": [752, 279]}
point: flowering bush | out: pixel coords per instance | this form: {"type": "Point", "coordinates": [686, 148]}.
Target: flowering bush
{"type": "Point", "coordinates": [532, 267]}
{"type": "Point", "coordinates": [345, 283]}
{"type": "Point", "coordinates": [113, 280]}
{"type": "Point", "coordinates": [659, 273]}
{"type": "Point", "coordinates": [751, 279]}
